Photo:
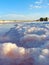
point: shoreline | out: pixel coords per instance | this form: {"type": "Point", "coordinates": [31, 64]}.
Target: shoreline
{"type": "Point", "coordinates": [11, 22]}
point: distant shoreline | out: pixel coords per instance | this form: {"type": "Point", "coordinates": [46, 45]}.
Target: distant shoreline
{"type": "Point", "coordinates": [14, 21]}
{"type": "Point", "coordinates": [17, 21]}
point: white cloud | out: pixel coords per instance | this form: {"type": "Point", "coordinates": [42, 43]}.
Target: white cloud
{"type": "Point", "coordinates": [35, 6]}
{"type": "Point", "coordinates": [39, 6]}
{"type": "Point", "coordinates": [10, 53]}
{"type": "Point", "coordinates": [47, 4]}
{"type": "Point", "coordinates": [12, 16]}
{"type": "Point", "coordinates": [30, 16]}
{"type": "Point", "coordinates": [17, 17]}
{"type": "Point", "coordinates": [31, 6]}
{"type": "Point", "coordinates": [38, 2]}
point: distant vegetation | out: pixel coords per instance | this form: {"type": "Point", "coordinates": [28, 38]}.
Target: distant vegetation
{"type": "Point", "coordinates": [43, 19]}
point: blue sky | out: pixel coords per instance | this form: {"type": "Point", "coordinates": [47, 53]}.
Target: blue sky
{"type": "Point", "coordinates": [24, 9]}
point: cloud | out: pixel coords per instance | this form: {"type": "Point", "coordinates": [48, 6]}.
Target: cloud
{"type": "Point", "coordinates": [16, 17]}
{"type": "Point", "coordinates": [11, 50]}
{"type": "Point", "coordinates": [35, 46]}
{"type": "Point", "coordinates": [10, 53]}
{"type": "Point", "coordinates": [12, 16]}
{"type": "Point", "coordinates": [40, 4]}
{"type": "Point", "coordinates": [29, 16]}
{"type": "Point", "coordinates": [48, 4]}
{"type": "Point", "coordinates": [31, 5]}
{"type": "Point", "coordinates": [35, 6]}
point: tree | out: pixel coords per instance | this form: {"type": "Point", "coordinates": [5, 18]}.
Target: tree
{"type": "Point", "coordinates": [46, 19]}
{"type": "Point", "coordinates": [41, 19]}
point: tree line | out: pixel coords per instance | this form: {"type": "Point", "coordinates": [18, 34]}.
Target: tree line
{"type": "Point", "coordinates": [43, 19]}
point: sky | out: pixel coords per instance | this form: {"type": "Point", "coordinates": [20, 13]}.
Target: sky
{"type": "Point", "coordinates": [23, 9]}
